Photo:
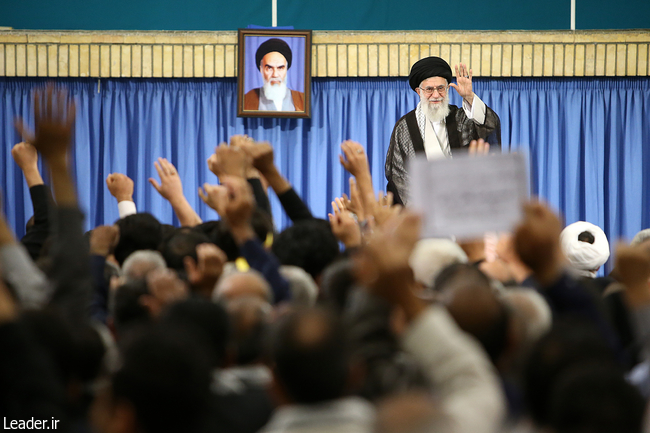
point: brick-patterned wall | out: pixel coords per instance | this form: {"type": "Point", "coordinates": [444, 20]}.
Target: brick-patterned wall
{"type": "Point", "coordinates": [334, 54]}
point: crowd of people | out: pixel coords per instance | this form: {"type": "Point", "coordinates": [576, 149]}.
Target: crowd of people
{"type": "Point", "coordinates": [355, 324]}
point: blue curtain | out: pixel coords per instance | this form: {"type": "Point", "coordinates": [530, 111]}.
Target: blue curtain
{"type": "Point", "coordinates": [588, 140]}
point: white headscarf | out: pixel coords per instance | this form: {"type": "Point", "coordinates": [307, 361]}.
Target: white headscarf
{"type": "Point", "coordinates": [586, 258]}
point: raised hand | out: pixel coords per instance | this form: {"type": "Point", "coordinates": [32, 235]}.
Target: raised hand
{"type": "Point", "coordinates": [234, 202]}
{"type": "Point", "coordinates": [354, 203]}
{"type": "Point", "coordinates": [355, 160]}
{"type": "Point", "coordinates": [464, 83]}
{"type": "Point", "coordinates": [262, 155]}
{"type": "Point", "coordinates": [120, 186]}
{"type": "Point", "coordinates": [170, 186]}
{"type": "Point", "coordinates": [383, 210]}
{"type": "Point", "coordinates": [537, 242]}
{"type": "Point", "coordinates": [54, 119]}
{"type": "Point", "coordinates": [214, 196]}
{"type": "Point", "coordinates": [344, 226]}
{"type": "Point", "coordinates": [244, 142]}
{"type": "Point", "coordinates": [26, 157]}
{"type": "Point", "coordinates": [206, 270]}
{"type": "Point", "coordinates": [382, 264]}
{"type": "Point", "coordinates": [633, 271]}
{"type": "Point", "coordinates": [229, 161]}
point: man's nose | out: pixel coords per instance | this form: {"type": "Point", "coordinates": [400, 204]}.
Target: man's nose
{"type": "Point", "coordinates": [275, 73]}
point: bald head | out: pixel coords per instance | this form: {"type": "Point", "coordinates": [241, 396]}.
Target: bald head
{"type": "Point", "coordinates": [243, 284]}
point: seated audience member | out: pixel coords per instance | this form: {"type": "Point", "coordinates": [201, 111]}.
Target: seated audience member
{"type": "Point", "coordinates": [311, 352]}
{"type": "Point", "coordinates": [30, 386]}
{"type": "Point", "coordinates": [126, 311]}
{"type": "Point", "coordinates": [219, 234]}
{"type": "Point", "coordinates": [374, 340]}
{"type": "Point", "coordinates": [587, 249]}
{"type": "Point", "coordinates": [140, 302]}
{"type": "Point", "coordinates": [140, 263]}
{"type": "Point", "coordinates": [472, 302]}
{"type": "Point", "coordinates": [596, 399]}
{"type": "Point", "coordinates": [570, 343]}
{"type": "Point", "coordinates": [533, 309]}
{"type": "Point", "coordinates": [140, 231]}
{"type": "Point", "coordinates": [242, 387]}
{"type": "Point", "coordinates": [308, 244]}
{"type": "Point", "coordinates": [162, 386]}
{"type": "Point", "coordinates": [195, 259]}
{"type": "Point", "coordinates": [585, 246]}
{"type": "Point", "coordinates": [311, 359]}
{"type": "Point", "coordinates": [537, 243]}
{"type": "Point", "coordinates": [336, 285]}
{"type": "Point", "coordinates": [641, 237]}
{"type": "Point", "coordinates": [234, 202]}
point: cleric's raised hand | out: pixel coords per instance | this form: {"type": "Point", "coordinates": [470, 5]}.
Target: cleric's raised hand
{"type": "Point", "coordinates": [463, 83]}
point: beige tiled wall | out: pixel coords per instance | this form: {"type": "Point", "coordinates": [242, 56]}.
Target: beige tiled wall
{"type": "Point", "coordinates": [334, 54]}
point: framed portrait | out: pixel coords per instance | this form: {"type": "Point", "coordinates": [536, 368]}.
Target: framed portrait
{"type": "Point", "coordinates": [274, 73]}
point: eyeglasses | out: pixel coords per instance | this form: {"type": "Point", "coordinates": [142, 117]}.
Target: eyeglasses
{"type": "Point", "coordinates": [428, 91]}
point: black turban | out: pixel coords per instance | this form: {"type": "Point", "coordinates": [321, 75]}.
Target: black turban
{"type": "Point", "coordinates": [271, 45]}
{"type": "Point", "coordinates": [427, 68]}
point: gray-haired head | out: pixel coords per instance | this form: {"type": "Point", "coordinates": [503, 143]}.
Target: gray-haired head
{"type": "Point", "coordinates": [140, 263]}
{"type": "Point", "coordinates": [641, 237]}
{"type": "Point", "coordinates": [304, 290]}
{"type": "Point", "coordinates": [234, 284]}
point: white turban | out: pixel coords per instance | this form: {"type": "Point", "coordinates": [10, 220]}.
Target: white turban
{"type": "Point", "coordinates": [583, 256]}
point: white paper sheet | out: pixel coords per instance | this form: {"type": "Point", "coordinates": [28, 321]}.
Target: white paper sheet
{"type": "Point", "coordinates": [468, 196]}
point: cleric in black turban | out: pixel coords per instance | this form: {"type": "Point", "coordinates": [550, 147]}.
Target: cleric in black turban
{"type": "Point", "coordinates": [271, 45]}
{"type": "Point", "coordinates": [273, 59]}
{"type": "Point", "coordinates": [427, 68]}
{"type": "Point", "coordinates": [437, 129]}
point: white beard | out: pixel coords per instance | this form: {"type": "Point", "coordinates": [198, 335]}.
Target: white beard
{"type": "Point", "coordinates": [435, 112]}
{"type": "Point", "coordinates": [276, 93]}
